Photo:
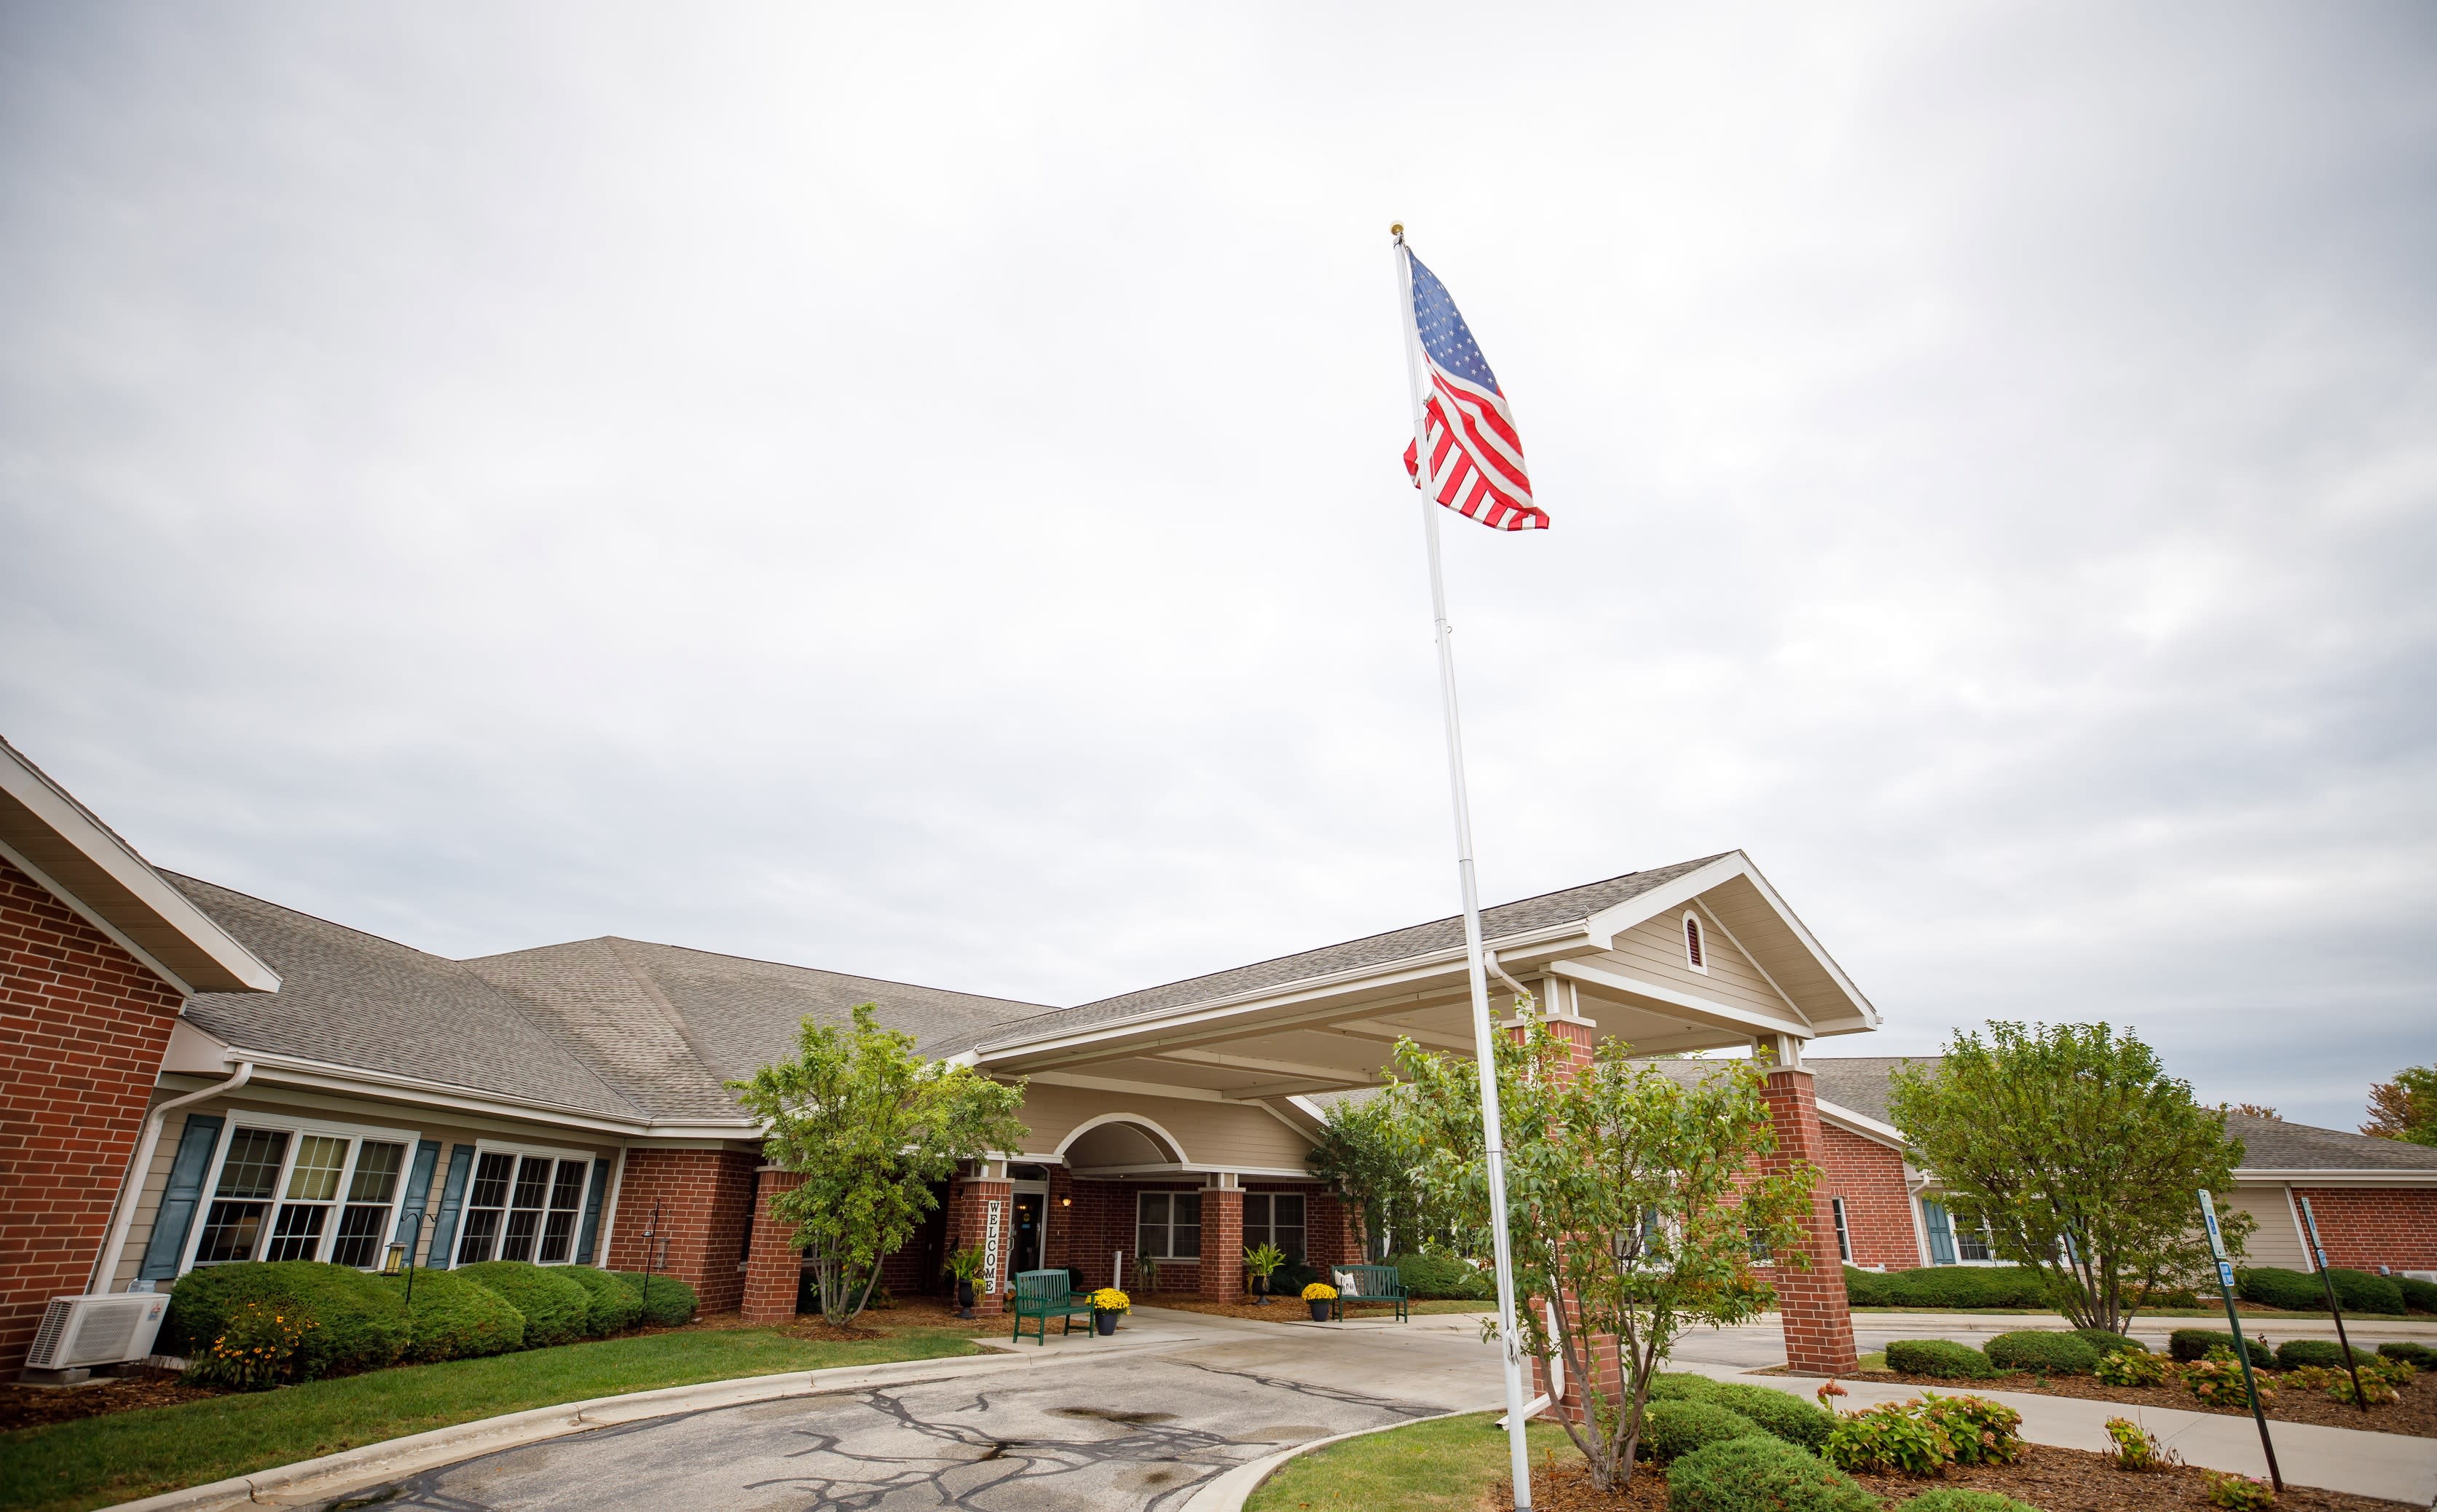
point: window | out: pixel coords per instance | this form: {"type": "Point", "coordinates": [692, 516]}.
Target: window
{"type": "Point", "coordinates": [1694, 955]}
{"type": "Point", "coordinates": [1168, 1226]}
{"type": "Point", "coordinates": [522, 1206]}
{"type": "Point", "coordinates": [1950, 1245]}
{"type": "Point", "coordinates": [1275, 1218]}
{"type": "Point", "coordinates": [301, 1192]}
{"type": "Point", "coordinates": [1844, 1238]}
{"type": "Point", "coordinates": [1971, 1246]}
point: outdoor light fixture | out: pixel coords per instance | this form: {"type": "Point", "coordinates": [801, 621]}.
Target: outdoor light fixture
{"type": "Point", "coordinates": [1065, 1202]}
{"type": "Point", "coordinates": [395, 1263]}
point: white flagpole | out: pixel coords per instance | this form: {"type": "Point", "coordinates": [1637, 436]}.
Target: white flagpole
{"type": "Point", "coordinates": [1484, 1041]}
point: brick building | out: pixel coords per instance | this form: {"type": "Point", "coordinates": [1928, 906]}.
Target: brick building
{"type": "Point", "coordinates": [324, 1093]}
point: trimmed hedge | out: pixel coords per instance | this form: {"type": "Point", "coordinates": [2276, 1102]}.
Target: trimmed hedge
{"type": "Point", "coordinates": [1680, 1386]}
{"type": "Point", "coordinates": [2041, 1349]}
{"type": "Point", "coordinates": [2361, 1291]}
{"type": "Point", "coordinates": [1442, 1278]}
{"type": "Point", "coordinates": [556, 1309]}
{"type": "Point", "coordinates": [613, 1308]}
{"type": "Point", "coordinates": [1963, 1499]}
{"type": "Point", "coordinates": [1941, 1357]}
{"type": "Point", "coordinates": [2295, 1353]}
{"type": "Point", "coordinates": [2418, 1356]}
{"type": "Point", "coordinates": [666, 1300]}
{"type": "Point", "coordinates": [1778, 1413]}
{"type": "Point", "coordinates": [1671, 1429]}
{"type": "Point", "coordinates": [2275, 1287]}
{"type": "Point", "coordinates": [1761, 1475]}
{"type": "Point", "coordinates": [2188, 1345]}
{"type": "Point", "coordinates": [1947, 1286]}
{"type": "Point", "coordinates": [2420, 1296]}
{"type": "Point", "coordinates": [358, 1326]}
{"type": "Point", "coordinates": [455, 1317]}
{"type": "Point", "coordinates": [2107, 1342]}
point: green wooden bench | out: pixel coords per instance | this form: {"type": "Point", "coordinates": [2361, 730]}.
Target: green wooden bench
{"type": "Point", "coordinates": [1046, 1294]}
{"type": "Point", "coordinates": [1371, 1283]}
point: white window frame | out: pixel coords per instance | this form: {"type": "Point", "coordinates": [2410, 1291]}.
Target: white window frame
{"type": "Point", "coordinates": [1844, 1234]}
{"type": "Point", "coordinates": [1269, 1202]}
{"type": "Point", "coordinates": [1171, 1223]}
{"type": "Point", "coordinates": [1954, 1227]}
{"type": "Point", "coordinates": [1696, 935]}
{"type": "Point", "coordinates": [298, 1130]}
{"type": "Point", "coordinates": [519, 1151]}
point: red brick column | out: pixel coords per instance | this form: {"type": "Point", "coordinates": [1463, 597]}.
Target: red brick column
{"type": "Point", "coordinates": [1811, 1302]}
{"type": "Point", "coordinates": [773, 1272]}
{"type": "Point", "coordinates": [969, 1224]}
{"type": "Point", "coordinates": [83, 1028]}
{"type": "Point", "coordinates": [1222, 1244]}
{"type": "Point", "coordinates": [1329, 1235]}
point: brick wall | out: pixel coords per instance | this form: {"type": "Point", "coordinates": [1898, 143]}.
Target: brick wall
{"type": "Point", "coordinates": [1220, 1276]}
{"type": "Point", "coordinates": [774, 1272]}
{"type": "Point", "coordinates": [83, 1026]}
{"type": "Point", "coordinates": [2365, 1227]}
{"type": "Point", "coordinates": [706, 1199]}
{"type": "Point", "coordinates": [1878, 1207]}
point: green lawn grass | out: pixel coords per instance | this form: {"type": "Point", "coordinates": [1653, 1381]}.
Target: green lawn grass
{"type": "Point", "coordinates": [95, 1461]}
{"type": "Point", "coordinates": [1444, 1465]}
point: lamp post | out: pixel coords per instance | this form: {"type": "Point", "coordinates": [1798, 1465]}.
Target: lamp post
{"type": "Point", "coordinates": [400, 1258]}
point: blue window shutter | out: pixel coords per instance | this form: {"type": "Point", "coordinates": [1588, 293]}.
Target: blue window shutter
{"type": "Point", "coordinates": [592, 1212]}
{"type": "Point", "coordinates": [444, 1229]}
{"type": "Point", "coordinates": [418, 1198]}
{"type": "Point", "coordinates": [176, 1218]}
{"type": "Point", "coordinates": [1941, 1232]}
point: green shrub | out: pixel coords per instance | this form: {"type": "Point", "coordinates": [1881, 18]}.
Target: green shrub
{"type": "Point", "coordinates": [1679, 1385]}
{"type": "Point", "coordinates": [1963, 1499]}
{"type": "Point", "coordinates": [1781, 1414]}
{"type": "Point", "coordinates": [2107, 1342]}
{"type": "Point", "coordinates": [2045, 1350]}
{"type": "Point", "coordinates": [2416, 1355]}
{"type": "Point", "coordinates": [1866, 1289]}
{"type": "Point", "coordinates": [614, 1306]}
{"type": "Point", "coordinates": [668, 1301]}
{"type": "Point", "coordinates": [2188, 1345]}
{"type": "Point", "coordinates": [2238, 1493]}
{"type": "Point", "coordinates": [1673, 1429]}
{"type": "Point", "coordinates": [2294, 1291]}
{"type": "Point", "coordinates": [1949, 1286]}
{"type": "Point", "coordinates": [2216, 1382]}
{"type": "Point", "coordinates": [2420, 1296]}
{"type": "Point", "coordinates": [2134, 1367]}
{"type": "Point", "coordinates": [556, 1308]}
{"type": "Point", "coordinates": [254, 1350]}
{"type": "Point", "coordinates": [454, 1317]}
{"type": "Point", "coordinates": [1894, 1438]}
{"type": "Point", "coordinates": [2361, 1291]}
{"type": "Point", "coordinates": [1941, 1357]}
{"type": "Point", "coordinates": [2136, 1448]}
{"type": "Point", "coordinates": [1442, 1277]}
{"type": "Point", "coordinates": [1983, 1432]}
{"type": "Point", "coordinates": [358, 1326]}
{"type": "Point", "coordinates": [1761, 1475]}
{"type": "Point", "coordinates": [2295, 1353]}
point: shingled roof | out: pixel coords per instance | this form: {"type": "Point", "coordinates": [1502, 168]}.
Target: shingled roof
{"type": "Point", "coordinates": [1502, 921]}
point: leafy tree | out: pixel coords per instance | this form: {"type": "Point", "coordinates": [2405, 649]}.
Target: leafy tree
{"type": "Point", "coordinates": [2255, 1110]}
{"type": "Point", "coordinates": [1627, 1191]}
{"type": "Point", "coordinates": [871, 1125]}
{"type": "Point", "coordinates": [2080, 1155]}
{"type": "Point", "coordinates": [2405, 1108]}
{"type": "Point", "coordinates": [1363, 1153]}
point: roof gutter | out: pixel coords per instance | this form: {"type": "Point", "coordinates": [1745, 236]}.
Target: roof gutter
{"type": "Point", "coordinates": [123, 1211]}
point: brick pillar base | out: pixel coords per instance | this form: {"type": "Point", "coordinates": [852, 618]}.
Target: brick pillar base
{"type": "Point", "coordinates": [1222, 1244]}
{"type": "Point", "coordinates": [773, 1272]}
{"type": "Point", "coordinates": [1811, 1302]}
{"type": "Point", "coordinates": [969, 1224]}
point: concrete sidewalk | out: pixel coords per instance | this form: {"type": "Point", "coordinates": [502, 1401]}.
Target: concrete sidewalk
{"type": "Point", "coordinates": [2393, 1466]}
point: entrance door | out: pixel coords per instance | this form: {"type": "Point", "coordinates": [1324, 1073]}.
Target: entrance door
{"type": "Point", "coordinates": [1026, 1253]}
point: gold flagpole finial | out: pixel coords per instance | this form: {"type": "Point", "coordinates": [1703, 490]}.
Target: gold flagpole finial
{"type": "Point", "coordinates": [1397, 231]}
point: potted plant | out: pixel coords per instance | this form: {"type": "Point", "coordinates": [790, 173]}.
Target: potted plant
{"type": "Point", "coordinates": [1261, 1262]}
{"type": "Point", "coordinates": [966, 1266]}
{"type": "Point", "coordinates": [1107, 1304]}
{"type": "Point", "coordinates": [1319, 1294]}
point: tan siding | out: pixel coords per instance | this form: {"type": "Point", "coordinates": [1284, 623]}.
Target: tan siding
{"type": "Point", "coordinates": [2273, 1242]}
{"type": "Point", "coordinates": [1653, 950]}
{"type": "Point", "coordinates": [1219, 1134]}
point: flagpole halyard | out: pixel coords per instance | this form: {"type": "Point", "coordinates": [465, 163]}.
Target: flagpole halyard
{"type": "Point", "coordinates": [1484, 1035]}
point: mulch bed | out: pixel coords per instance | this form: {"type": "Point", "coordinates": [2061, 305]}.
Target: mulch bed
{"type": "Point", "coordinates": [1284, 1310]}
{"type": "Point", "coordinates": [2053, 1480]}
{"type": "Point", "coordinates": [2416, 1416]}
{"type": "Point", "coordinates": [36, 1406]}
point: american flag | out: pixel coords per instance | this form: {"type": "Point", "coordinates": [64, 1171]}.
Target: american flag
{"type": "Point", "coordinates": [1476, 458]}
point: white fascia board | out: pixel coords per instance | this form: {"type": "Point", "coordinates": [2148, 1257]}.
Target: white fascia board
{"type": "Point", "coordinates": [68, 820]}
{"type": "Point", "coordinates": [2270, 1175]}
{"type": "Point", "coordinates": [1610, 922]}
{"type": "Point", "coordinates": [301, 1072]}
{"type": "Point", "coordinates": [1869, 1014]}
{"type": "Point", "coordinates": [1119, 1085]}
{"type": "Point", "coordinates": [1862, 1124]}
{"type": "Point", "coordinates": [1196, 1168]}
{"type": "Point", "coordinates": [193, 1052]}
{"type": "Point", "coordinates": [1742, 1019]}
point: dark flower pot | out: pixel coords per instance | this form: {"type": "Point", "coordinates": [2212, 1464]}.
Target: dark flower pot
{"type": "Point", "coordinates": [1261, 1290]}
{"type": "Point", "coordinates": [1105, 1321]}
{"type": "Point", "coordinates": [1319, 1311]}
{"type": "Point", "coordinates": [964, 1299]}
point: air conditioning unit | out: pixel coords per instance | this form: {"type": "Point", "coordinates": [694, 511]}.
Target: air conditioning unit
{"type": "Point", "coordinates": [107, 1329]}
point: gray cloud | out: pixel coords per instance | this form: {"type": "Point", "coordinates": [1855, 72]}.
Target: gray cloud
{"type": "Point", "coordinates": [915, 493]}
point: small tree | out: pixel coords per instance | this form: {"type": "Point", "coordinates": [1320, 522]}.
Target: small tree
{"type": "Point", "coordinates": [871, 1125]}
{"type": "Point", "coordinates": [1631, 1193]}
{"type": "Point", "coordinates": [1362, 1154]}
{"type": "Point", "coordinates": [2081, 1157]}
{"type": "Point", "coordinates": [2405, 1108]}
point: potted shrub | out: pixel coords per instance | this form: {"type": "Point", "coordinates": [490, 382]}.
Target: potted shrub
{"type": "Point", "coordinates": [1107, 1304]}
{"type": "Point", "coordinates": [1262, 1262]}
{"type": "Point", "coordinates": [966, 1266]}
{"type": "Point", "coordinates": [1319, 1294]}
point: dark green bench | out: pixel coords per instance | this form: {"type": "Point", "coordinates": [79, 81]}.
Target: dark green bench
{"type": "Point", "coordinates": [1046, 1294]}
{"type": "Point", "coordinates": [1371, 1283]}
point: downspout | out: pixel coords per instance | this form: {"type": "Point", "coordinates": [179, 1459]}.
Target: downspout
{"type": "Point", "coordinates": [130, 1192]}
{"type": "Point", "coordinates": [1522, 994]}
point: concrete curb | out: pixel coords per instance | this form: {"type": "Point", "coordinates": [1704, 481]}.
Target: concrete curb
{"type": "Point", "coordinates": [1229, 1492]}
{"type": "Point", "coordinates": [332, 1476]}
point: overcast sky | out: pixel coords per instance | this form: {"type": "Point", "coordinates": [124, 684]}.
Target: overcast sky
{"type": "Point", "coordinates": [915, 491]}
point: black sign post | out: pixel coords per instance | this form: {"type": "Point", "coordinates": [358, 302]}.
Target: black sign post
{"type": "Point", "coordinates": [2319, 1253]}
{"type": "Point", "coordinates": [2241, 1349]}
